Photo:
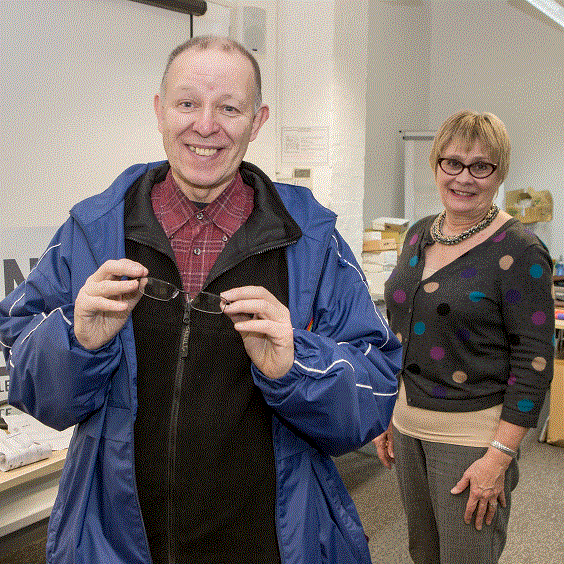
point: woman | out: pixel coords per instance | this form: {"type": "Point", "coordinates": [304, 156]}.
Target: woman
{"type": "Point", "coordinates": [471, 301]}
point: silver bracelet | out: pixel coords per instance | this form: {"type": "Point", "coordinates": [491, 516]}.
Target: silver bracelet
{"type": "Point", "coordinates": [503, 448]}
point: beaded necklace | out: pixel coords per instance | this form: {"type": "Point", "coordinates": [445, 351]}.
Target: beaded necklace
{"type": "Point", "coordinates": [437, 227]}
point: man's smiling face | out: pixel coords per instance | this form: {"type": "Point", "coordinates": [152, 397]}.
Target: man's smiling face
{"type": "Point", "coordinates": [205, 113]}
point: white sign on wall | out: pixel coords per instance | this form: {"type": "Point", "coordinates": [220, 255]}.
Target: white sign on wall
{"type": "Point", "coordinates": [20, 249]}
{"type": "Point", "coordinates": [305, 145]}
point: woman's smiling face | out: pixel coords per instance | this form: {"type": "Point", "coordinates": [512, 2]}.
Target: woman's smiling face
{"type": "Point", "coordinates": [464, 195]}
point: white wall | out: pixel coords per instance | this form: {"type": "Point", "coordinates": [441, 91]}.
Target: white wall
{"type": "Point", "coordinates": [399, 43]}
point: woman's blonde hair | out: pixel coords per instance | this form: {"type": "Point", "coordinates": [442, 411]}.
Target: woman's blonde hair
{"type": "Point", "coordinates": [465, 128]}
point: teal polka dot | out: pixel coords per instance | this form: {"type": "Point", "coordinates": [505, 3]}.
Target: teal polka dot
{"type": "Point", "coordinates": [525, 405]}
{"type": "Point", "coordinates": [536, 271]}
{"type": "Point", "coordinates": [419, 328]}
{"type": "Point", "coordinates": [476, 296]}
{"type": "Point", "coordinates": [413, 260]}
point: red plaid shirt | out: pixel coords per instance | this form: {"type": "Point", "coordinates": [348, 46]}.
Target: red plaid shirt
{"type": "Point", "coordinates": [198, 235]}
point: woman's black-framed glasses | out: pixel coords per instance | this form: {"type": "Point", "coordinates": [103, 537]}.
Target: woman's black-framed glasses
{"type": "Point", "coordinates": [479, 169]}
{"type": "Point", "coordinates": [165, 291]}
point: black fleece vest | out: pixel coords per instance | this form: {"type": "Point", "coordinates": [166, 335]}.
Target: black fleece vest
{"type": "Point", "coordinates": [203, 444]}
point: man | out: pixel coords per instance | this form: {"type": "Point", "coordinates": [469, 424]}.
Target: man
{"type": "Point", "coordinates": [202, 438]}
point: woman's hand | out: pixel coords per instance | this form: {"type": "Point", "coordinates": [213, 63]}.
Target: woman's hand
{"type": "Point", "coordinates": [385, 447]}
{"type": "Point", "coordinates": [486, 479]}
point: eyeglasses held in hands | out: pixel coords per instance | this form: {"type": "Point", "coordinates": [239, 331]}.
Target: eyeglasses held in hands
{"type": "Point", "coordinates": [164, 292]}
{"type": "Point", "coordinates": [477, 170]}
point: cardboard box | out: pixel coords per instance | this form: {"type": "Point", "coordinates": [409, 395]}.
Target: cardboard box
{"type": "Point", "coordinates": [555, 429]}
{"type": "Point", "coordinates": [395, 223]}
{"type": "Point", "coordinates": [380, 245]}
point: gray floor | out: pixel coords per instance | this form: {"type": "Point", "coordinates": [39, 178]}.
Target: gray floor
{"type": "Point", "coordinates": [536, 527]}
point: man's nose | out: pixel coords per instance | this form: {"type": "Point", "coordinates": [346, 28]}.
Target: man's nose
{"type": "Point", "coordinates": [205, 122]}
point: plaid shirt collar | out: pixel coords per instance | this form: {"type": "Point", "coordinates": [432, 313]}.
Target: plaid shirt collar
{"type": "Point", "coordinates": [228, 211]}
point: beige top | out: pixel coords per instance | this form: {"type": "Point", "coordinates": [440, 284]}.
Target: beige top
{"type": "Point", "coordinates": [467, 428]}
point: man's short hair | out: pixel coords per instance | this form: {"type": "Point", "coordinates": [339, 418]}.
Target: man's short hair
{"type": "Point", "coordinates": [203, 42]}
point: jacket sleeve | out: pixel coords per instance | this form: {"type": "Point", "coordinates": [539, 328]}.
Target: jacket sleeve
{"type": "Point", "coordinates": [342, 388]}
{"type": "Point", "coordinates": [52, 377]}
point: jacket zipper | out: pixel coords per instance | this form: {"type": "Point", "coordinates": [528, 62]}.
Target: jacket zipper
{"type": "Point", "coordinates": [173, 428]}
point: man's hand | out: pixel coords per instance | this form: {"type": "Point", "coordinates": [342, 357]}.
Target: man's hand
{"type": "Point", "coordinates": [105, 302]}
{"type": "Point", "coordinates": [265, 326]}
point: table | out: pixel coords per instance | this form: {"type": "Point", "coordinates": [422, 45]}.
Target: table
{"type": "Point", "coordinates": [27, 494]}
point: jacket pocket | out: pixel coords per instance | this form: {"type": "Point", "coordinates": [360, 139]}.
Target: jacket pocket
{"type": "Point", "coordinates": [111, 422]}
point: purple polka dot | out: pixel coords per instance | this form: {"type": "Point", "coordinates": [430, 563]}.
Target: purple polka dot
{"type": "Point", "coordinates": [439, 392]}
{"type": "Point", "coordinates": [538, 318]}
{"type": "Point", "coordinates": [463, 335]}
{"type": "Point", "coordinates": [499, 238]}
{"type": "Point", "coordinates": [399, 296]}
{"type": "Point", "coordinates": [414, 239]}
{"type": "Point", "coordinates": [468, 273]}
{"type": "Point", "coordinates": [512, 296]}
{"type": "Point", "coordinates": [512, 379]}
{"type": "Point", "coordinates": [437, 353]}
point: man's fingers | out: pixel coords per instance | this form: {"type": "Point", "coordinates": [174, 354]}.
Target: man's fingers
{"type": "Point", "coordinates": [117, 269]}
{"type": "Point", "coordinates": [112, 288]}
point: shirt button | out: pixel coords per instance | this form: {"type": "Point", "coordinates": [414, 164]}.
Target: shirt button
{"type": "Point", "coordinates": [198, 252]}
{"type": "Point", "coordinates": [200, 215]}
{"type": "Point", "coordinates": [224, 238]}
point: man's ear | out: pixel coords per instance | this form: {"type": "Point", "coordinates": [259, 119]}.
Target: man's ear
{"type": "Point", "coordinates": [260, 118]}
{"type": "Point", "coordinates": [158, 111]}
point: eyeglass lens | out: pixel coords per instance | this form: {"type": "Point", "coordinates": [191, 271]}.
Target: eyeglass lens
{"type": "Point", "coordinates": [477, 170]}
{"type": "Point", "coordinates": [164, 291]}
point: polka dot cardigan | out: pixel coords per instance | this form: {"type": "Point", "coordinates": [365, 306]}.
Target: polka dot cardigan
{"type": "Point", "coordinates": [480, 331]}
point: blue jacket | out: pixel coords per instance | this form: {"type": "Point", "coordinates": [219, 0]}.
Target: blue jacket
{"type": "Point", "coordinates": [339, 393]}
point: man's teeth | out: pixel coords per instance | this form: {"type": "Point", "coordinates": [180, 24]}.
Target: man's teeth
{"type": "Point", "coordinates": [203, 151]}
{"type": "Point", "coordinates": [459, 193]}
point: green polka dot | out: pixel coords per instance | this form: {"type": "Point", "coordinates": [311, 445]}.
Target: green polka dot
{"type": "Point", "coordinates": [419, 328]}
{"type": "Point", "coordinates": [536, 271]}
{"type": "Point", "coordinates": [525, 405]}
{"type": "Point", "coordinates": [476, 296]}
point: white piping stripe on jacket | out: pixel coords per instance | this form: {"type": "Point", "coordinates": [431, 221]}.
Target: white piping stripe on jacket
{"type": "Point", "coordinates": [44, 318]}
{"type": "Point", "coordinates": [43, 255]}
{"type": "Point", "coordinates": [40, 259]}
{"type": "Point", "coordinates": [14, 305]}
{"type": "Point", "coordinates": [385, 325]}
{"type": "Point", "coordinates": [317, 371]}
{"type": "Point", "coordinates": [376, 393]}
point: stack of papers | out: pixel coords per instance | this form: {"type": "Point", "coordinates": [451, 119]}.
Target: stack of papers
{"type": "Point", "coordinates": [17, 449]}
{"type": "Point", "coordinates": [29, 441]}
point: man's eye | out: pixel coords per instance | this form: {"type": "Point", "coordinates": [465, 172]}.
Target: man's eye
{"type": "Point", "coordinates": [230, 109]}
{"type": "Point", "coordinates": [186, 105]}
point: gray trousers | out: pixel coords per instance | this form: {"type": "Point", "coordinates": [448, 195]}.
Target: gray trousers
{"type": "Point", "coordinates": [426, 473]}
